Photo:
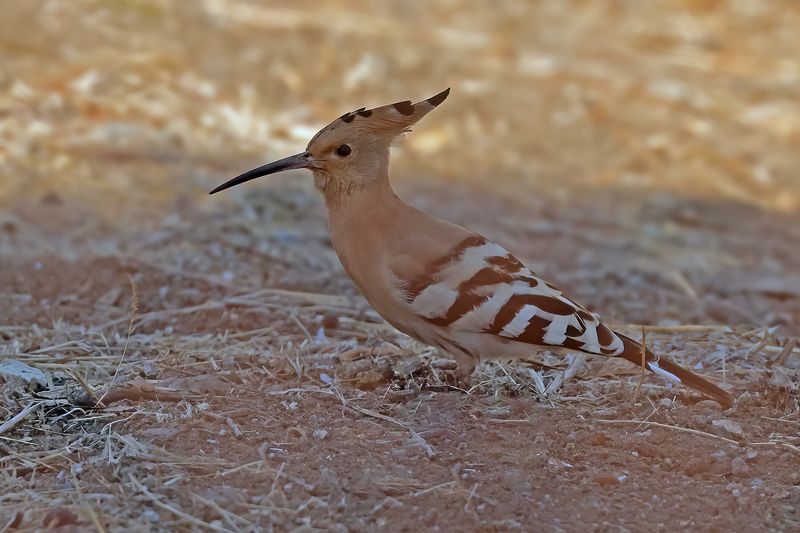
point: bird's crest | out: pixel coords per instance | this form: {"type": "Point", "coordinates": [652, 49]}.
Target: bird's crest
{"type": "Point", "coordinates": [393, 119]}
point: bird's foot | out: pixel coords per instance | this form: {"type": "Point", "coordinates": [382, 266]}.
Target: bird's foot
{"type": "Point", "coordinates": [459, 379]}
{"type": "Point", "coordinates": [456, 373]}
{"type": "Point", "coordinates": [455, 380]}
{"type": "Point", "coordinates": [464, 376]}
{"type": "Point", "coordinates": [452, 376]}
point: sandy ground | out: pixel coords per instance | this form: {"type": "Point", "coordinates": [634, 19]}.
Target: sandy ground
{"type": "Point", "coordinates": [642, 158]}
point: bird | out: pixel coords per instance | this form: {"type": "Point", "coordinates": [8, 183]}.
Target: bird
{"type": "Point", "coordinates": [442, 284]}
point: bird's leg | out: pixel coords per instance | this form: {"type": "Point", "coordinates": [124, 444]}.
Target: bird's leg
{"type": "Point", "coordinates": [464, 375]}
{"type": "Point", "coordinates": [465, 366]}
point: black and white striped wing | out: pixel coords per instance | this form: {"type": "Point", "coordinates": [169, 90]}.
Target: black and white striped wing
{"type": "Point", "coordinates": [479, 287]}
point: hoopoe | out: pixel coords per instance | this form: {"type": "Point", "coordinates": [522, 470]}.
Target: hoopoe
{"type": "Point", "coordinates": [443, 285]}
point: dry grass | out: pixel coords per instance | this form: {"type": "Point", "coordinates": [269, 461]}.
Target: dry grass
{"type": "Point", "coordinates": [64, 428]}
{"type": "Point", "coordinates": [207, 365]}
{"type": "Point", "coordinates": [205, 354]}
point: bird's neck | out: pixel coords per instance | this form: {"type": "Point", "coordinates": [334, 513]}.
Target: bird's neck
{"type": "Point", "coordinates": [362, 206]}
{"type": "Point", "coordinates": [364, 222]}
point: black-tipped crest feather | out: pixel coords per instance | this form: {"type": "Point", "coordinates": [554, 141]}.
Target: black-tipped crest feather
{"type": "Point", "coordinates": [404, 108]}
{"type": "Point", "coordinates": [439, 98]}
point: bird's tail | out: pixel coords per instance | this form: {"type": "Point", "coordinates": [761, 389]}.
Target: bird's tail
{"type": "Point", "coordinates": [668, 369]}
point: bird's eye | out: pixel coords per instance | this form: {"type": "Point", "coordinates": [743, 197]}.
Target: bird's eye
{"type": "Point", "coordinates": [343, 150]}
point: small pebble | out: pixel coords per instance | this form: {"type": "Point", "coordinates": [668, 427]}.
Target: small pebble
{"type": "Point", "coordinates": [708, 404]}
{"type": "Point", "coordinates": [739, 466]}
{"type": "Point", "coordinates": [606, 479]}
{"type": "Point", "coordinates": [646, 449]}
{"type": "Point", "coordinates": [698, 465]}
{"type": "Point", "coordinates": [727, 428]}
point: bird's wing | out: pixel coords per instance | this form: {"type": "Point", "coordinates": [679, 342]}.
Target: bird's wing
{"type": "Point", "coordinates": [479, 287]}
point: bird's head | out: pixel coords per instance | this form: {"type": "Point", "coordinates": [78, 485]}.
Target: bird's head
{"type": "Point", "coordinates": [351, 151]}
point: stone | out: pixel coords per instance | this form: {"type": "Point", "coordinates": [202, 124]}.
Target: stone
{"type": "Point", "coordinates": [13, 370]}
{"type": "Point", "coordinates": [739, 466]}
{"type": "Point", "coordinates": [727, 428]}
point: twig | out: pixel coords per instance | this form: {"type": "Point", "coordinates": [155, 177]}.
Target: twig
{"type": "Point", "coordinates": [56, 347]}
{"type": "Point", "coordinates": [785, 353]}
{"type": "Point", "coordinates": [681, 327]}
{"type": "Point", "coordinates": [782, 420]}
{"type": "Point", "coordinates": [13, 522]}
{"type": "Point", "coordinates": [567, 374]}
{"type": "Point", "coordinates": [759, 345]}
{"type": "Point", "coordinates": [302, 327]}
{"type": "Point", "coordinates": [86, 387]}
{"type": "Point", "coordinates": [667, 426]}
{"type": "Point", "coordinates": [792, 447]}
{"type": "Point", "coordinates": [226, 515]}
{"type": "Point", "coordinates": [245, 300]}
{"type": "Point", "coordinates": [684, 284]}
{"type": "Point", "coordinates": [538, 383]}
{"type": "Point", "coordinates": [251, 464]}
{"type": "Point", "coordinates": [153, 498]}
{"type": "Point", "coordinates": [423, 492]}
{"type": "Point", "coordinates": [644, 359]}
{"type": "Point", "coordinates": [28, 457]}
{"type": "Point", "coordinates": [416, 438]}
{"type": "Point", "coordinates": [780, 349]}
{"type": "Point", "coordinates": [471, 495]}
{"type": "Point", "coordinates": [132, 317]}
{"type": "Point", "coordinates": [16, 419]}
{"type": "Point", "coordinates": [141, 390]}
{"type": "Point", "coordinates": [92, 514]}
{"type": "Point", "coordinates": [313, 297]}
{"type": "Point", "coordinates": [509, 420]}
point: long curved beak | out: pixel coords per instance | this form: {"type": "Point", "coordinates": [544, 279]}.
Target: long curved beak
{"type": "Point", "coordinates": [301, 160]}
